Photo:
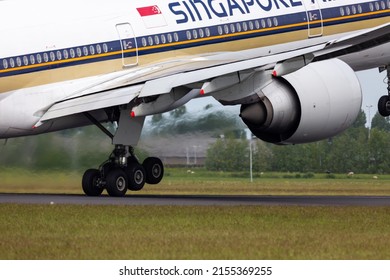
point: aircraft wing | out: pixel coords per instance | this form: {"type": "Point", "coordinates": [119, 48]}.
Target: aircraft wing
{"type": "Point", "coordinates": [123, 87]}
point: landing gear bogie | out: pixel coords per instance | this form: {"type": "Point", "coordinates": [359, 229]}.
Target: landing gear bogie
{"type": "Point", "coordinates": [122, 172]}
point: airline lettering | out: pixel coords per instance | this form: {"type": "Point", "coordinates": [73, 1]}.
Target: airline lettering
{"type": "Point", "coordinates": [198, 10]}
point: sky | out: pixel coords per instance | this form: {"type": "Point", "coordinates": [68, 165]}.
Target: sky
{"type": "Point", "coordinates": [373, 83]}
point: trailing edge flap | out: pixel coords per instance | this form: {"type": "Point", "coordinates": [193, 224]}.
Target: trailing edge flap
{"type": "Point", "coordinates": [91, 102]}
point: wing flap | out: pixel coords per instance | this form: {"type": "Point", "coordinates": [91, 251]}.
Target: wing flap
{"type": "Point", "coordinates": [91, 102]}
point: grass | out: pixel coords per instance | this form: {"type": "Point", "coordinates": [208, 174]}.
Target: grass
{"type": "Point", "coordinates": [165, 232]}
{"type": "Point", "coordinates": [196, 232]}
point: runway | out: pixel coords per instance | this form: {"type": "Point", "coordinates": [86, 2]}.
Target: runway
{"type": "Point", "coordinates": [195, 200]}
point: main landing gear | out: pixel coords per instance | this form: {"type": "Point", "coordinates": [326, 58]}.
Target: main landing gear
{"type": "Point", "coordinates": [384, 101]}
{"type": "Point", "coordinates": [121, 172]}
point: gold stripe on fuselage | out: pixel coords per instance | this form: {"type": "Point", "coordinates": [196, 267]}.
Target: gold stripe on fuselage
{"type": "Point", "coordinates": [104, 67]}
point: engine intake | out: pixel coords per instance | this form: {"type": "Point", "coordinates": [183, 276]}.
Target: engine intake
{"type": "Point", "coordinates": [316, 102]}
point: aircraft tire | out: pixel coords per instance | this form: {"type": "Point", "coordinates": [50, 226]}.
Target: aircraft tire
{"type": "Point", "coordinates": [383, 106]}
{"type": "Point", "coordinates": [154, 169]}
{"type": "Point", "coordinates": [136, 176]}
{"type": "Point", "coordinates": [116, 182]}
{"type": "Point", "coordinates": [90, 183]}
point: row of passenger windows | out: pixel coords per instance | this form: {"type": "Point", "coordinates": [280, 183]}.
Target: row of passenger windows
{"type": "Point", "coordinates": [171, 37]}
{"type": "Point", "coordinates": [54, 56]}
{"type": "Point", "coordinates": [357, 9]}
{"type": "Point", "coordinates": [205, 32]}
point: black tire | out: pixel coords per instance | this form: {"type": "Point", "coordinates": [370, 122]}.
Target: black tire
{"type": "Point", "coordinates": [384, 106]}
{"type": "Point", "coordinates": [116, 182]}
{"type": "Point", "coordinates": [154, 169]}
{"type": "Point", "coordinates": [90, 183]}
{"type": "Point", "coordinates": [107, 167]}
{"type": "Point", "coordinates": [136, 176]}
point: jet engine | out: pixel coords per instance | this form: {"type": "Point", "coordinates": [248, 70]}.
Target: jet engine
{"type": "Point", "coordinates": [313, 103]}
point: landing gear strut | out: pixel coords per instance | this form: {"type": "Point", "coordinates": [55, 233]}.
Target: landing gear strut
{"type": "Point", "coordinates": [122, 171]}
{"type": "Point", "coordinates": [384, 101]}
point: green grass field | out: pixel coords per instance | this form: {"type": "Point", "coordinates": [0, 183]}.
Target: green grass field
{"type": "Point", "coordinates": [156, 232]}
{"type": "Point", "coordinates": [196, 232]}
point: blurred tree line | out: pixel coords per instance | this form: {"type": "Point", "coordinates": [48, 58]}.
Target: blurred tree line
{"type": "Point", "coordinates": [358, 149]}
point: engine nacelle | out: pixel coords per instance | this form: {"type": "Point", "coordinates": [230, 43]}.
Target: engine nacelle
{"type": "Point", "coordinates": [316, 102]}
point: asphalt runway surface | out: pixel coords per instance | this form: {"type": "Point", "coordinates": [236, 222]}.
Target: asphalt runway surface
{"type": "Point", "coordinates": [195, 200]}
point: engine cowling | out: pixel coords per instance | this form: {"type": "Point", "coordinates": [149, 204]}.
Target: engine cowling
{"type": "Point", "coordinates": [316, 102]}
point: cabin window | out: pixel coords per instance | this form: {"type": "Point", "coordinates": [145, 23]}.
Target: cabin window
{"type": "Point", "coordinates": [144, 42]}
{"type": "Point", "coordinates": [170, 39]}
{"type": "Point", "coordinates": [388, 4]}
{"type": "Point", "coordinates": [176, 37]}
{"type": "Point", "coordinates": [45, 57]}
{"type": "Point", "coordinates": [39, 58]}
{"type": "Point", "coordinates": [18, 62]}
{"type": "Point", "coordinates": [85, 51]}
{"type": "Point", "coordinates": [66, 54]}
{"type": "Point", "coordinates": [251, 27]}
{"type": "Point", "coordinates": [220, 31]}
{"type": "Point", "coordinates": [72, 53]}
{"type": "Point", "coordinates": [32, 59]}
{"type": "Point", "coordinates": [5, 64]}
{"type": "Point", "coordinates": [276, 23]}
{"type": "Point", "coordinates": [25, 60]}
{"type": "Point", "coordinates": [348, 11]}
{"type": "Point", "coordinates": [232, 28]}
{"type": "Point", "coordinates": [377, 6]}
{"type": "Point", "coordinates": [12, 63]}
{"type": "Point", "coordinates": [188, 34]}
{"type": "Point", "coordinates": [156, 40]}
{"type": "Point", "coordinates": [383, 5]}
{"type": "Point", "coordinates": [163, 39]}
{"type": "Point", "coordinates": [98, 49]}
{"type": "Point", "coordinates": [226, 29]}
{"type": "Point", "coordinates": [257, 24]}
{"type": "Point", "coordinates": [150, 40]}
{"type": "Point", "coordinates": [92, 50]}
{"type": "Point", "coordinates": [245, 26]}
{"type": "Point", "coordinates": [238, 27]}
{"type": "Point", "coordinates": [195, 34]}
{"type": "Point", "coordinates": [342, 12]}
{"type": "Point", "coordinates": [208, 32]}
{"type": "Point", "coordinates": [360, 9]}
{"type": "Point", "coordinates": [269, 22]}
{"type": "Point", "coordinates": [59, 55]}
{"type": "Point", "coordinates": [52, 56]}
{"type": "Point", "coordinates": [105, 48]}
{"type": "Point", "coordinates": [201, 33]}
